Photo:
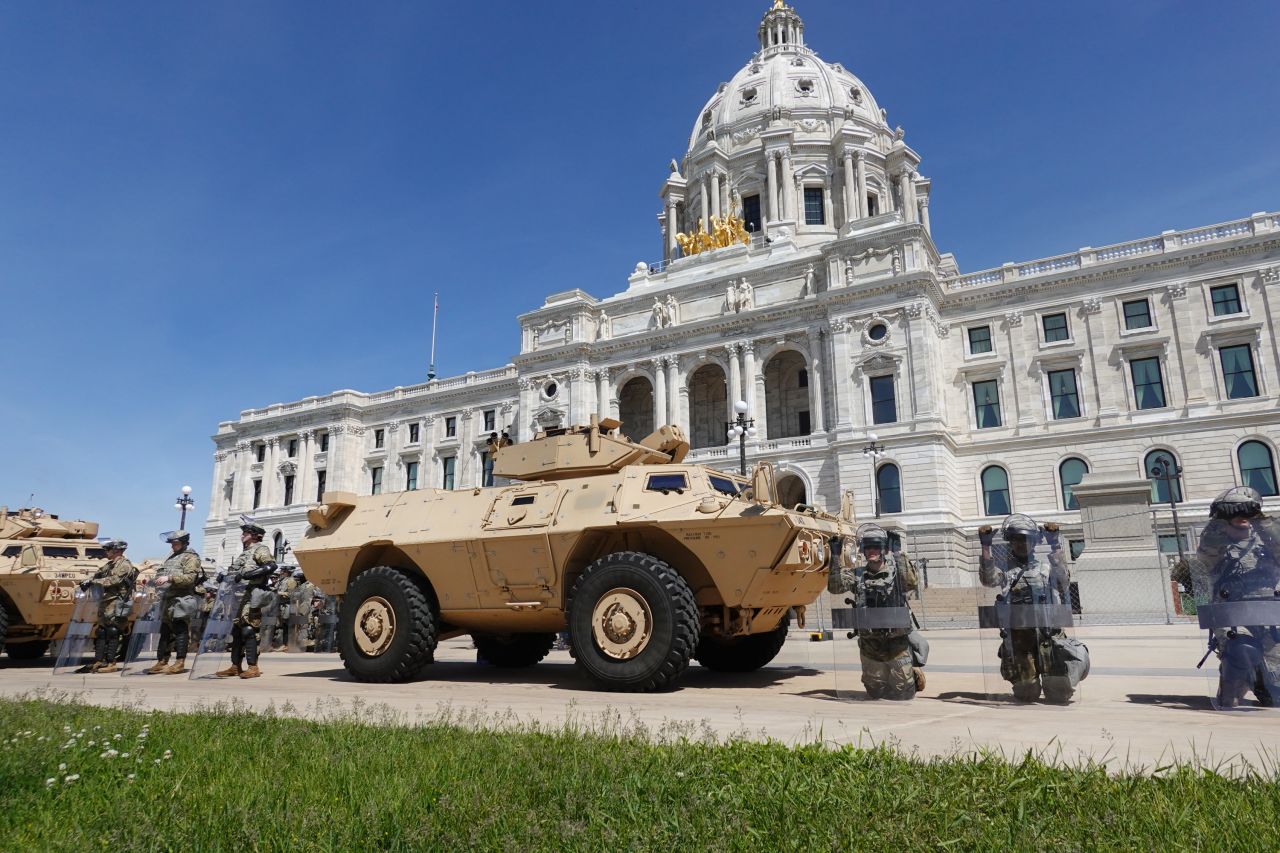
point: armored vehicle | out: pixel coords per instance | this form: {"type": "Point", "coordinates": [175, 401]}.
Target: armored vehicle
{"type": "Point", "coordinates": [645, 560]}
{"type": "Point", "coordinates": [42, 561]}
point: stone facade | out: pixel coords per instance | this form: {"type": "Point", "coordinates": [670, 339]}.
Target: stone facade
{"type": "Point", "coordinates": [840, 318]}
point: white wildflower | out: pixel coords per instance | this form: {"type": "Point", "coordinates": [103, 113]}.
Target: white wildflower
{"type": "Point", "coordinates": [117, 736]}
{"type": "Point", "coordinates": [73, 777]}
{"type": "Point", "coordinates": [62, 766]}
{"type": "Point", "coordinates": [131, 777]}
{"type": "Point", "coordinates": [124, 755]}
{"type": "Point", "coordinates": [157, 761]}
{"type": "Point", "coordinates": [49, 782]}
{"type": "Point", "coordinates": [168, 753]}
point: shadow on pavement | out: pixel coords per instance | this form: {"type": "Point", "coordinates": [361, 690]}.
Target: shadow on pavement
{"type": "Point", "coordinates": [985, 700]}
{"type": "Point", "coordinates": [1185, 703]}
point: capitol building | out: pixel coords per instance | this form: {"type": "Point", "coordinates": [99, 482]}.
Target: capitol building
{"type": "Point", "coordinates": [838, 315]}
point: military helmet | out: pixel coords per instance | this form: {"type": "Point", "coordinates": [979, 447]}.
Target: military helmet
{"type": "Point", "coordinates": [872, 535]}
{"type": "Point", "coordinates": [115, 545]}
{"type": "Point", "coordinates": [176, 536]}
{"type": "Point", "coordinates": [1235, 502]}
{"type": "Point", "coordinates": [1019, 526]}
{"type": "Point", "coordinates": [299, 574]}
{"type": "Point", "coordinates": [255, 529]}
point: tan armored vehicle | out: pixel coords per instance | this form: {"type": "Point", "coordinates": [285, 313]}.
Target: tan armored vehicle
{"type": "Point", "coordinates": [647, 561]}
{"type": "Point", "coordinates": [42, 561]}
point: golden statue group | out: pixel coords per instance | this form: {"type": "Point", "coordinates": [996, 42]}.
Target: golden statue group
{"type": "Point", "coordinates": [724, 232]}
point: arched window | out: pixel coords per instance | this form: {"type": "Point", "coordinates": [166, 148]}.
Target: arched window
{"type": "Point", "coordinates": [1071, 472]}
{"type": "Point", "coordinates": [889, 488]}
{"type": "Point", "coordinates": [995, 491]}
{"type": "Point", "coordinates": [278, 546]}
{"type": "Point", "coordinates": [1257, 468]}
{"type": "Point", "coordinates": [1161, 489]}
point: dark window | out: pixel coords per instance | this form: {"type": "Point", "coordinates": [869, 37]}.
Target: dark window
{"type": "Point", "coordinates": [413, 433]}
{"type": "Point", "coordinates": [448, 463]}
{"type": "Point", "coordinates": [726, 486]}
{"type": "Point", "coordinates": [523, 500]}
{"type": "Point", "coordinates": [1148, 387]}
{"type": "Point", "coordinates": [288, 489]}
{"type": "Point", "coordinates": [1137, 314]}
{"type": "Point", "coordinates": [979, 340]}
{"type": "Point", "coordinates": [1055, 328]}
{"type": "Point", "coordinates": [1071, 472]}
{"type": "Point", "coordinates": [750, 212]}
{"type": "Point", "coordinates": [873, 204]}
{"type": "Point", "coordinates": [321, 476]}
{"type": "Point", "coordinates": [884, 406]}
{"type": "Point", "coordinates": [1237, 371]}
{"type": "Point", "coordinates": [1226, 300]}
{"type": "Point", "coordinates": [95, 553]}
{"type": "Point", "coordinates": [804, 426]}
{"type": "Point", "coordinates": [802, 378]}
{"type": "Point", "coordinates": [450, 427]}
{"type": "Point", "coordinates": [279, 548]}
{"type": "Point", "coordinates": [12, 551]}
{"type": "Point", "coordinates": [666, 483]}
{"type": "Point", "coordinates": [324, 442]}
{"type": "Point", "coordinates": [1077, 548]}
{"type": "Point", "coordinates": [1064, 397]}
{"type": "Point", "coordinates": [379, 438]}
{"type": "Point", "coordinates": [257, 493]}
{"type": "Point", "coordinates": [411, 477]}
{"type": "Point", "coordinates": [995, 491]}
{"type": "Point", "coordinates": [877, 332]}
{"type": "Point", "coordinates": [986, 403]}
{"type": "Point", "coordinates": [813, 206]}
{"type": "Point", "coordinates": [375, 481]}
{"type": "Point", "coordinates": [490, 419]}
{"type": "Point", "coordinates": [1257, 468]}
{"type": "Point", "coordinates": [261, 451]}
{"type": "Point", "coordinates": [889, 488]}
{"type": "Point", "coordinates": [293, 448]}
{"type": "Point", "coordinates": [1162, 489]}
{"type": "Point", "coordinates": [1168, 543]}
{"type": "Point", "coordinates": [60, 551]}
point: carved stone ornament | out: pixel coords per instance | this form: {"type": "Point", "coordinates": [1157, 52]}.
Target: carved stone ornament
{"type": "Point", "coordinates": [915, 309]}
{"type": "Point", "coordinates": [1176, 290]}
{"type": "Point", "coordinates": [1271, 275]}
{"type": "Point", "coordinates": [878, 363]}
{"type": "Point", "coordinates": [1091, 305]}
{"type": "Point", "coordinates": [549, 417]}
{"type": "Point", "coordinates": [287, 468]}
{"type": "Point", "coordinates": [747, 133]}
{"type": "Point", "coordinates": [875, 321]}
{"type": "Point", "coordinates": [1013, 319]}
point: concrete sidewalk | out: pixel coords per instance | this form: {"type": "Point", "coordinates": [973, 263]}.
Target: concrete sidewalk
{"type": "Point", "coordinates": [1143, 705]}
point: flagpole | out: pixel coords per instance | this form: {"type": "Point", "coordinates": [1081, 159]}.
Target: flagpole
{"type": "Point", "coordinates": [435, 315]}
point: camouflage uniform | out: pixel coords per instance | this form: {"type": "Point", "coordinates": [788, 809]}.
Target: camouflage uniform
{"type": "Point", "coordinates": [304, 595]}
{"type": "Point", "coordinates": [254, 567]}
{"type": "Point", "coordinates": [284, 609]}
{"type": "Point", "coordinates": [180, 605]}
{"type": "Point", "coordinates": [116, 579]}
{"type": "Point", "coordinates": [889, 656]}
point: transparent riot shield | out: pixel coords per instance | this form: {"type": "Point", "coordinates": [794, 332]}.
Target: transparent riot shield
{"type": "Point", "coordinates": [214, 652]}
{"type": "Point", "coordinates": [76, 651]}
{"type": "Point", "coordinates": [1235, 581]}
{"type": "Point", "coordinates": [1026, 634]}
{"type": "Point", "coordinates": [144, 632]}
{"type": "Point", "coordinates": [871, 642]}
{"type": "Point", "coordinates": [324, 625]}
{"type": "Point", "coordinates": [267, 629]}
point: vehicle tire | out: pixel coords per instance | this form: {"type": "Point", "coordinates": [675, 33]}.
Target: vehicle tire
{"type": "Point", "coordinates": [387, 629]}
{"type": "Point", "coordinates": [633, 623]}
{"type": "Point", "coordinates": [742, 654]}
{"type": "Point", "coordinates": [512, 651]}
{"type": "Point", "coordinates": [27, 651]}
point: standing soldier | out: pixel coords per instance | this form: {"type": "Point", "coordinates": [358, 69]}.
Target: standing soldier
{"type": "Point", "coordinates": [116, 579]}
{"type": "Point", "coordinates": [1238, 561]}
{"type": "Point", "coordinates": [892, 658]}
{"type": "Point", "coordinates": [176, 583]}
{"type": "Point", "coordinates": [253, 567]}
{"type": "Point", "coordinates": [285, 585]}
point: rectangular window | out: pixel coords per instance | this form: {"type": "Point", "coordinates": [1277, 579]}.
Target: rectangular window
{"type": "Point", "coordinates": [324, 442]}
{"type": "Point", "coordinates": [288, 489]}
{"type": "Point", "coordinates": [260, 450]}
{"type": "Point", "coordinates": [447, 463]}
{"type": "Point", "coordinates": [802, 378]}
{"type": "Point", "coordinates": [293, 448]}
{"type": "Point", "coordinates": [1148, 387]}
{"type": "Point", "coordinates": [1226, 300]}
{"type": "Point", "coordinates": [450, 427]}
{"type": "Point", "coordinates": [725, 486]}
{"type": "Point", "coordinates": [979, 340]}
{"type": "Point", "coordinates": [490, 418]}
{"type": "Point", "coordinates": [1055, 328]}
{"type": "Point", "coordinates": [803, 425]}
{"type": "Point", "coordinates": [666, 483]}
{"type": "Point", "coordinates": [1237, 371]}
{"type": "Point", "coordinates": [751, 212]}
{"type": "Point", "coordinates": [1169, 543]}
{"type": "Point", "coordinates": [413, 433]}
{"type": "Point", "coordinates": [814, 213]}
{"type": "Point", "coordinates": [379, 439]}
{"type": "Point", "coordinates": [1077, 548]}
{"type": "Point", "coordinates": [1137, 314]}
{"type": "Point", "coordinates": [321, 476]}
{"type": "Point", "coordinates": [884, 406]}
{"type": "Point", "coordinates": [1064, 395]}
{"type": "Point", "coordinates": [411, 477]}
{"type": "Point", "coordinates": [257, 493]}
{"type": "Point", "coordinates": [524, 500]}
{"type": "Point", "coordinates": [873, 204]}
{"type": "Point", "coordinates": [375, 481]}
{"type": "Point", "coordinates": [986, 403]}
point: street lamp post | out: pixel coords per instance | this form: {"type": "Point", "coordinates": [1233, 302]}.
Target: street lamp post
{"type": "Point", "coordinates": [873, 451]}
{"type": "Point", "coordinates": [184, 503]}
{"type": "Point", "coordinates": [740, 428]}
{"type": "Point", "coordinates": [1165, 469]}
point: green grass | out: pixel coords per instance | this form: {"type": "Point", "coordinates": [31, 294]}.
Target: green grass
{"type": "Point", "coordinates": [237, 780]}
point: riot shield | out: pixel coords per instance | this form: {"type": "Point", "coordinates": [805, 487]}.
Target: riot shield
{"type": "Point", "coordinates": [871, 644]}
{"type": "Point", "coordinates": [1235, 581]}
{"type": "Point", "coordinates": [144, 633]}
{"type": "Point", "coordinates": [267, 629]}
{"type": "Point", "coordinates": [214, 652]}
{"type": "Point", "coordinates": [324, 625]}
{"type": "Point", "coordinates": [76, 652]}
{"type": "Point", "coordinates": [1026, 637]}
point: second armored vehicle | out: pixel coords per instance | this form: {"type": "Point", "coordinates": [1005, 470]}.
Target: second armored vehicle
{"type": "Point", "coordinates": [648, 562]}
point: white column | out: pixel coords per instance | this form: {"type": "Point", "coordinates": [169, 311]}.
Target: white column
{"type": "Point", "coordinates": [270, 496]}
{"type": "Point", "coordinates": [602, 392]}
{"type": "Point", "coordinates": [335, 479]}
{"type": "Point", "coordinates": [671, 227]}
{"type": "Point", "coordinates": [815, 383]}
{"type": "Point", "coordinates": [749, 376]}
{"type": "Point", "coordinates": [243, 494]}
{"type": "Point", "coordinates": [215, 493]}
{"type": "Point", "coordinates": [771, 176]}
{"type": "Point", "coordinates": [902, 195]}
{"type": "Point", "coordinates": [788, 188]}
{"type": "Point", "coordinates": [706, 202]}
{"type": "Point", "coordinates": [850, 188]}
{"type": "Point", "coordinates": [674, 388]}
{"type": "Point", "coordinates": [715, 193]}
{"type": "Point", "coordinates": [659, 392]}
{"type": "Point", "coordinates": [302, 485]}
{"type": "Point", "coordinates": [912, 210]}
{"type": "Point", "coordinates": [924, 214]}
{"type": "Point", "coordinates": [735, 378]}
{"type": "Point", "coordinates": [860, 169]}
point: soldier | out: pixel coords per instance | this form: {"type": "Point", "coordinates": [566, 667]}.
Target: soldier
{"type": "Point", "coordinates": [286, 583]}
{"type": "Point", "coordinates": [253, 567]}
{"type": "Point", "coordinates": [892, 658]}
{"type": "Point", "coordinates": [176, 581]}
{"type": "Point", "coordinates": [305, 594]}
{"type": "Point", "coordinates": [1032, 659]}
{"type": "Point", "coordinates": [116, 580]}
{"type": "Point", "coordinates": [1239, 560]}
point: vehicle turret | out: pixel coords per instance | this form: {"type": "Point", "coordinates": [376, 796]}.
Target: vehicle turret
{"type": "Point", "coordinates": [584, 451]}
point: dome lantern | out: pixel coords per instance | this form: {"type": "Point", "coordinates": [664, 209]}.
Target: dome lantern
{"type": "Point", "coordinates": [781, 28]}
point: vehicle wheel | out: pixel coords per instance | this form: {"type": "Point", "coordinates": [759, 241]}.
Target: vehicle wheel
{"type": "Point", "coordinates": [27, 651]}
{"type": "Point", "coordinates": [633, 622]}
{"type": "Point", "coordinates": [742, 654]}
{"type": "Point", "coordinates": [512, 651]}
{"type": "Point", "coordinates": [387, 630]}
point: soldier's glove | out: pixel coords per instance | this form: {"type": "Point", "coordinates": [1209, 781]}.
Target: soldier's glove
{"type": "Point", "coordinates": [1050, 533]}
{"type": "Point", "coordinates": [85, 584]}
{"type": "Point", "coordinates": [985, 534]}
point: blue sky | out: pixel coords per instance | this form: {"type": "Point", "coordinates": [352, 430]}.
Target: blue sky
{"type": "Point", "coordinates": [208, 207]}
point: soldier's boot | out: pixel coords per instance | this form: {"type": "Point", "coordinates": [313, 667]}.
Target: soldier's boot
{"type": "Point", "coordinates": [918, 674]}
{"type": "Point", "coordinates": [1026, 691]}
{"type": "Point", "coordinates": [108, 667]}
{"type": "Point", "coordinates": [251, 672]}
{"type": "Point", "coordinates": [159, 666]}
{"type": "Point", "coordinates": [230, 672]}
{"type": "Point", "coordinates": [179, 667]}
